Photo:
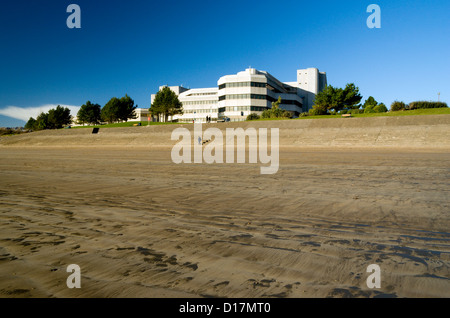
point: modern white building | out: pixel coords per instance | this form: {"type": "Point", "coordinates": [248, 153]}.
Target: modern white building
{"type": "Point", "coordinates": [250, 91]}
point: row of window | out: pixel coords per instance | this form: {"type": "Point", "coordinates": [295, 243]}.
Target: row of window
{"type": "Point", "coordinates": [242, 84]}
{"type": "Point", "coordinates": [241, 108]}
{"type": "Point", "coordinates": [199, 102]}
{"type": "Point", "coordinates": [200, 111]}
{"type": "Point", "coordinates": [202, 94]}
{"type": "Point", "coordinates": [244, 96]}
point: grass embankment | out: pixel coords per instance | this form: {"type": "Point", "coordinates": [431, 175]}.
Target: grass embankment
{"type": "Point", "coordinates": [429, 111]}
{"type": "Point", "coordinates": [127, 124]}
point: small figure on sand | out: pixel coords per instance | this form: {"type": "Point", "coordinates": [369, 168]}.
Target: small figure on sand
{"type": "Point", "coordinates": [199, 140]}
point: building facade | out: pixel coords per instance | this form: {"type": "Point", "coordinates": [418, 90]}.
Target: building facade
{"type": "Point", "coordinates": [250, 91]}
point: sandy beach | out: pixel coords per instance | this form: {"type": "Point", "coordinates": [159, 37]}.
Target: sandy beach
{"type": "Point", "coordinates": [139, 225]}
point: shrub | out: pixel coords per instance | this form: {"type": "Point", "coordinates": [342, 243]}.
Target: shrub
{"type": "Point", "coordinates": [304, 115]}
{"type": "Point", "coordinates": [315, 111]}
{"type": "Point", "coordinates": [423, 104]}
{"type": "Point", "coordinates": [253, 116]}
{"type": "Point", "coordinates": [380, 108]}
{"type": "Point", "coordinates": [357, 111]}
{"type": "Point", "coordinates": [398, 106]}
{"type": "Point", "coordinates": [369, 109]}
{"type": "Point", "coordinates": [265, 114]}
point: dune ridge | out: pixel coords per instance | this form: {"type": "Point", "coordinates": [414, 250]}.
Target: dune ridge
{"type": "Point", "coordinates": [428, 132]}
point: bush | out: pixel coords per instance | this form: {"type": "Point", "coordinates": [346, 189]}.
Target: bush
{"type": "Point", "coordinates": [423, 104]}
{"type": "Point", "coordinates": [398, 106]}
{"type": "Point", "coordinates": [253, 116]}
{"type": "Point", "coordinates": [304, 115]}
{"type": "Point", "coordinates": [315, 111]}
{"type": "Point", "coordinates": [369, 109]}
{"type": "Point", "coordinates": [265, 114]}
{"type": "Point", "coordinates": [357, 111]}
{"type": "Point", "coordinates": [380, 108]}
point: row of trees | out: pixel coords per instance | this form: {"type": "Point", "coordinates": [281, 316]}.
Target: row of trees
{"type": "Point", "coordinates": [53, 119]}
{"type": "Point", "coordinates": [334, 100]}
{"type": "Point", "coordinates": [347, 100]}
{"type": "Point", "coordinates": [116, 110]}
{"type": "Point", "coordinates": [399, 106]}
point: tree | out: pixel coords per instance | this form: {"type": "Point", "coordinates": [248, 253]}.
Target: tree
{"type": "Point", "coordinates": [370, 102]}
{"type": "Point", "coordinates": [380, 108]}
{"type": "Point", "coordinates": [324, 100]}
{"type": "Point", "coordinates": [31, 124]}
{"type": "Point", "coordinates": [351, 97]}
{"type": "Point", "coordinates": [276, 111]}
{"type": "Point", "coordinates": [42, 121]}
{"type": "Point", "coordinates": [59, 117]}
{"type": "Point", "coordinates": [110, 112]}
{"type": "Point", "coordinates": [54, 119]}
{"type": "Point", "coordinates": [372, 106]}
{"type": "Point", "coordinates": [127, 108]}
{"type": "Point", "coordinates": [166, 103]}
{"type": "Point", "coordinates": [336, 99]}
{"type": "Point", "coordinates": [89, 114]}
{"type": "Point", "coordinates": [118, 109]}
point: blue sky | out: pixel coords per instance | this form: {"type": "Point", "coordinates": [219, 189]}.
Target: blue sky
{"type": "Point", "coordinates": [133, 47]}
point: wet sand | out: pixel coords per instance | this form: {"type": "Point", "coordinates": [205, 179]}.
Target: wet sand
{"type": "Point", "coordinates": [139, 225]}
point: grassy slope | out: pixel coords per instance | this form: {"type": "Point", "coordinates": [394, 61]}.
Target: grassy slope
{"type": "Point", "coordinates": [127, 124]}
{"type": "Point", "coordinates": [431, 111]}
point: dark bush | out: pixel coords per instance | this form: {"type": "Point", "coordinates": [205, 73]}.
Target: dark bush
{"type": "Point", "coordinates": [315, 111]}
{"type": "Point", "coordinates": [398, 106]}
{"type": "Point", "coordinates": [253, 116]}
{"type": "Point", "coordinates": [423, 104]}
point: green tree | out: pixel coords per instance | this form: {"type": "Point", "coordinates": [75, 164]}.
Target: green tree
{"type": "Point", "coordinates": [31, 124]}
{"type": "Point", "coordinates": [380, 108]}
{"type": "Point", "coordinates": [110, 112]}
{"type": "Point", "coordinates": [351, 97]}
{"type": "Point", "coordinates": [370, 102]}
{"type": "Point", "coordinates": [166, 103]}
{"type": "Point", "coordinates": [276, 111]}
{"type": "Point", "coordinates": [372, 106]}
{"type": "Point", "coordinates": [89, 114]}
{"type": "Point", "coordinates": [58, 117]}
{"type": "Point", "coordinates": [127, 108]}
{"type": "Point", "coordinates": [336, 99]}
{"type": "Point", "coordinates": [117, 110]}
{"type": "Point", "coordinates": [324, 100]}
{"type": "Point", "coordinates": [42, 121]}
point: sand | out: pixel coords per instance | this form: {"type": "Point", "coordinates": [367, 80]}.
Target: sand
{"type": "Point", "coordinates": [139, 225]}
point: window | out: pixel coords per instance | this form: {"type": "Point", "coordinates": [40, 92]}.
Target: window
{"type": "Point", "coordinates": [242, 84]}
{"type": "Point", "coordinates": [245, 96]}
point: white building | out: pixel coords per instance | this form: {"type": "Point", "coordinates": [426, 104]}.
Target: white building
{"type": "Point", "coordinates": [142, 114]}
{"type": "Point", "coordinates": [250, 91]}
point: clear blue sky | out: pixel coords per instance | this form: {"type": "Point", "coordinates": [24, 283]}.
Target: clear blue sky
{"type": "Point", "coordinates": [134, 46]}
